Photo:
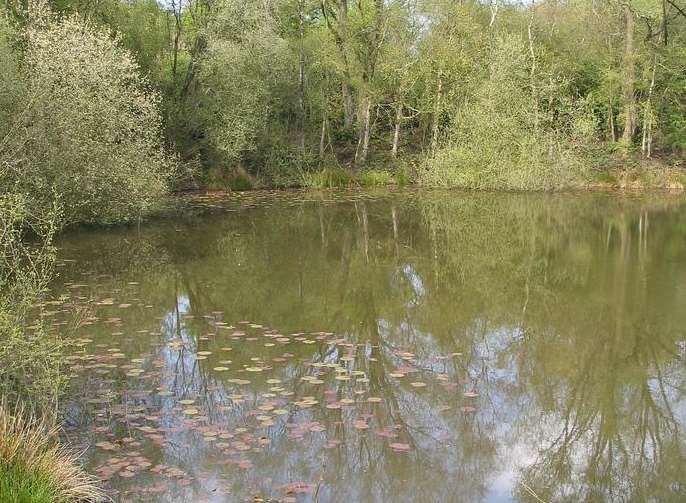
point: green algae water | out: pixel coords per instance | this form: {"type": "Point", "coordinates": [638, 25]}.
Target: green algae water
{"type": "Point", "coordinates": [381, 347]}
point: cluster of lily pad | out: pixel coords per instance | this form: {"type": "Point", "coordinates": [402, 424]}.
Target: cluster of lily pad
{"type": "Point", "coordinates": [203, 386]}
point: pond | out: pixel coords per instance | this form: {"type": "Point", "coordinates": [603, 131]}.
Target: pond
{"type": "Point", "coordinates": [404, 346]}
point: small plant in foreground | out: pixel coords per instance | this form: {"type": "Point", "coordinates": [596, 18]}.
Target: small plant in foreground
{"type": "Point", "coordinates": [35, 467]}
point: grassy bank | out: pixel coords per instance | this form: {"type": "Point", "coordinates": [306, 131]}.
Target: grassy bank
{"type": "Point", "coordinates": [604, 172]}
{"type": "Point", "coordinates": [637, 174]}
{"type": "Point", "coordinates": [330, 175]}
{"type": "Point", "coordinates": [35, 467]}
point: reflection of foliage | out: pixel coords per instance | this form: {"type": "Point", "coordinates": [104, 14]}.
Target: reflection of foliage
{"type": "Point", "coordinates": [564, 308]}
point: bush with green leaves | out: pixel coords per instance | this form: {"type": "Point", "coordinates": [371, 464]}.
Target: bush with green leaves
{"type": "Point", "coordinates": [84, 127]}
{"type": "Point", "coordinates": [30, 356]}
{"type": "Point", "coordinates": [514, 134]}
{"type": "Point", "coordinates": [239, 75]}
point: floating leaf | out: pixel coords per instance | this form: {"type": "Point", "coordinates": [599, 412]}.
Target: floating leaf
{"type": "Point", "coordinates": [399, 447]}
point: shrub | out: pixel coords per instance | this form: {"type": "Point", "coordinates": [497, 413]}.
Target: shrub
{"type": "Point", "coordinates": [86, 129]}
{"type": "Point", "coordinates": [29, 357]}
{"type": "Point", "coordinates": [513, 134]}
{"type": "Point", "coordinates": [35, 467]}
{"type": "Point", "coordinates": [238, 75]}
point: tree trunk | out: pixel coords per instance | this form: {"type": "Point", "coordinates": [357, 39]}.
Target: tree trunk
{"type": "Point", "coordinates": [629, 78]}
{"type": "Point", "coordinates": [338, 11]}
{"type": "Point", "coordinates": [363, 140]}
{"type": "Point", "coordinates": [322, 144]}
{"type": "Point", "coordinates": [437, 114]}
{"type": "Point", "coordinates": [177, 35]}
{"type": "Point", "coordinates": [648, 118]}
{"type": "Point", "coordinates": [301, 82]}
{"type": "Point", "coordinates": [346, 88]}
{"type": "Point", "coordinates": [611, 120]}
{"type": "Point", "coordinates": [348, 105]}
{"type": "Point", "coordinates": [396, 132]}
{"type": "Point", "coordinates": [494, 12]}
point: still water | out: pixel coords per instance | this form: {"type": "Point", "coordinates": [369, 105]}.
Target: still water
{"type": "Point", "coordinates": [382, 347]}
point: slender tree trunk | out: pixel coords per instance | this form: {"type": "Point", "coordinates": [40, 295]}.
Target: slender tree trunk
{"type": "Point", "coordinates": [348, 104]}
{"type": "Point", "coordinates": [367, 131]}
{"type": "Point", "coordinates": [346, 88]}
{"type": "Point", "coordinates": [363, 140]}
{"type": "Point", "coordinates": [396, 132]}
{"type": "Point", "coordinates": [175, 55]}
{"type": "Point", "coordinates": [322, 137]}
{"type": "Point", "coordinates": [494, 12]}
{"type": "Point", "coordinates": [338, 11]}
{"type": "Point", "coordinates": [648, 117]}
{"type": "Point", "coordinates": [301, 82]}
{"type": "Point", "coordinates": [177, 35]}
{"type": "Point", "coordinates": [611, 119]}
{"type": "Point", "coordinates": [629, 78]}
{"type": "Point", "coordinates": [437, 113]}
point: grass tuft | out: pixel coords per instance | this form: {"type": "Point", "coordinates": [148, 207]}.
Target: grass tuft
{"type": "Point", "coordinates": [35, 467]}
{"type": "Point", "coordinates": [327, 178]}
{"type": "Point", "coordinates": [375, 178]}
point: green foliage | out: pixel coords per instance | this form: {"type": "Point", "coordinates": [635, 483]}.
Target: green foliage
{"type": "Point", "coordinates": [35, 467]}
{"type": "Point", "coordinates": [327, 178]}
{"type": "Point", "coordinates": [12, 86]}
{"type": "Point", "coordinates": [86, 129]}
{"type": "Point", "coordinates": [513, 134]}
{"type": "Point", "coordinates": [239, 72]}
{"type": "Point", "coordinates": [240, 181]}
{"type": "Point", "coordinates": [29, 356]}
{"type": "Point", "coordinates": [375, 178]}
{"type": "Point", "coordinates": [20, 486]}
{"type": "Point", "coordinates": [279, 87]}
{"type": "Point", "coordinates": [31, 363]}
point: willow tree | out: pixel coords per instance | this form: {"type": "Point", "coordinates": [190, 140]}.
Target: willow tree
{"type": "Point", "coordinates": [87, 131]}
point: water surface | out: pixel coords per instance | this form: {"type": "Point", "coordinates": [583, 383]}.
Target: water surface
{"type": "Point", "coordinates": [404, 347]}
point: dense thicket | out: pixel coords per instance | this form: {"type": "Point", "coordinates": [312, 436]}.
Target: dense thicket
{"type": "Point", "coordinates": [80, 126]}
{"type": "Point", "coordinates": [468, 93]}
